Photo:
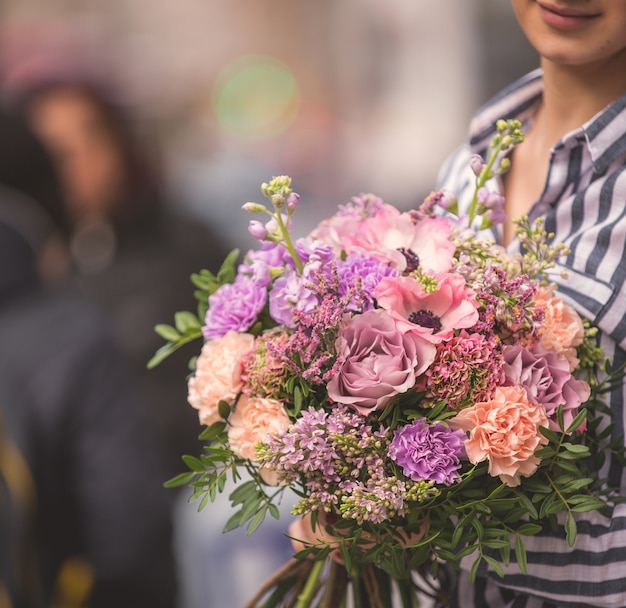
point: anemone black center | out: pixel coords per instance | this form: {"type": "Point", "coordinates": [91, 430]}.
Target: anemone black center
{"type": "Point", "coordinates": [412, 259]}
{"type": "Point", "coordinates": [427, 319]}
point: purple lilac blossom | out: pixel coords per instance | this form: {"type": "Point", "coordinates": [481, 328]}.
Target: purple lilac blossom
{"type": "Point", "coordinates": [358, 277]}
{"type": "Point", "coordinates": [428, 452]}
{"type": "Point", "coordinates": [292, 293]}
{"type": "Point", "coordinates": [234, 307]}
{"type": "Point", "coordinates": [257, 263]}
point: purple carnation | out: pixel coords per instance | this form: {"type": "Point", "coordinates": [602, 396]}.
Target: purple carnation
{"type": "Point", "coordinates": [547, 380]}
{"type": "Point", "coordinates": [428, 452]}
{"type": "Point", "coordinates": [358, 277]}
{"type": "Point", "coordinates": [234, 307]}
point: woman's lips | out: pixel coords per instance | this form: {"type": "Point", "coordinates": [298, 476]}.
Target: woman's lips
{"type": "Point", "coordinates": [565, 18]}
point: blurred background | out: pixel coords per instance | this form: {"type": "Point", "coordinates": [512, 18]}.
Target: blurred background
{"type": "Point", "coordinates": [346, 96]}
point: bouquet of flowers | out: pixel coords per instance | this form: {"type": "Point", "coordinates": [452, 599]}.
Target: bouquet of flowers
{"type": "Point", "coordinates": [426, 397]}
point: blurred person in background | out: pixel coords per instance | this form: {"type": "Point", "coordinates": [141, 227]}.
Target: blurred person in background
{"type": "Point", "coordinates": [132, 254]}
{"type": "Point", "coordinates": [84, 520]}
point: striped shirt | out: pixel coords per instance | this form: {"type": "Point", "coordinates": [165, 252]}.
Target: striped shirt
{"type": "Point", "coordinates": [584, 205]}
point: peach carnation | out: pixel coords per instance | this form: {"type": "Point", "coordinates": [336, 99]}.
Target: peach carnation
{"type": "Point", "coordinates": [504, 431]}
{"type": "Point", "coordinates": [562, 328]}
{"type": "Point", "coordinates": [218, 374]}
{"type": "Point", "coordinates": [253, 419]}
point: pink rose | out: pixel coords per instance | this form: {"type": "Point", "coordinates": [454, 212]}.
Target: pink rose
{"type": "Point", "coordinates": [384, 235]}
{"type": "Point", "coordinates": [562, 328]}
{"type": "Point", "coordinates": [252, 421]}
{"type": "Point", "coordinates": [218, 374]}
{"type": "Point", "coordinates": [434, 316]}
{"type": "Point", "coordinates": [378, 361]}
{"type": "Point", "coordinates": [504, 431]}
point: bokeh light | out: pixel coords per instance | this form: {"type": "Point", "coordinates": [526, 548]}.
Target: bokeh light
{"type": "Point", "coordinates": [255, 97]}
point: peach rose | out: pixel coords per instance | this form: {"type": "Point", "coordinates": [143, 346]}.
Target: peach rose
{"type": "Point", "coordinates": [562, 328]}
{"type": "Point", "coordinates": [253, 419]}
{"type": "Point", "coordinates": [218, 374]}
{"type": "Point", "coordinates": [504, 431]}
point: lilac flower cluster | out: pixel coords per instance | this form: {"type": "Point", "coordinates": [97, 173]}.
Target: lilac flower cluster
{"type": "Point", "coordinates": [507, 305]}
{"type": "Point", "coordinates": [344, 461]}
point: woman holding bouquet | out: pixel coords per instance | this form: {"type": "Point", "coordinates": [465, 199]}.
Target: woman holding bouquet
{"type": "Point", "coordinates": [571, 171]}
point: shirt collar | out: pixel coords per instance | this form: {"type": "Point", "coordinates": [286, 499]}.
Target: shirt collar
{"type": "Point", "coordinates": [605, 133]}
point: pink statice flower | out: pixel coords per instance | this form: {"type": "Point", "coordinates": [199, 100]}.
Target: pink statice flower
{"type": "Point", "coordinates": [467, 369]}
{"type": "Point", "coordinates": [504, 430]}
{"type": "Point", "coordinates": [264, 374]}
{"type": "Point", "coordinates": [547, 380]}
{"type": "Point", "coordinates": [390, 235]}
{"type": "Point", "coordinates": [253, 419]}
{"type": "Point", "coordinates": [433, 315]}
{"type": "Point", "coordinates": [218, 374]}
{"type": "Point", "coordinates": [430, 452]}
{"type": "Point", "coordinates": [562, 328]}
{"type": "Point", "coordinates": [377, 362]}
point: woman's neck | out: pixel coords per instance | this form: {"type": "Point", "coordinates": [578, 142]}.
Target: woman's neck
{"type": "Point", "coordinates": [575, 94]}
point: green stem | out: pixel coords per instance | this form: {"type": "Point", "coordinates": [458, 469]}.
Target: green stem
{"type": "Point", "coordinates": [357, 595]}
{"type": "Point", "coordinates": [312, 583]}
{"type": "Point", "coordinates": [287, 242]}
{"type": "Point", "coordinates": [481, 180]}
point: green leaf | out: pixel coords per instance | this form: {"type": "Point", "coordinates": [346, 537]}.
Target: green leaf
{"type": "Point", "coordinates": [223, 407]}
{"type": "Point", "coordinates": [193, 463]}
{"type": "Point", "coordinates": [520, 554]}
{"type": "Point", "coordinates": [576, 448]}
{"type": "Point", "coordinates": [495, 565]}
{"type": "Point", "coordinates": [243, 492]}
{"type": "Point", "coordinates": [234, 521]}
{"type": "Point", "coordinates": [474, 569]}
{"type": "Point", "coordinates": [529, 529]}
{"type": "Point", "coordinates": [257, 520]}
{"type": "Point", "coordinates": [163, 353]}
{"type": "Point", "coordinates": [578, 420]}
{"type": "Point", "coordinates": [180, 480]}
{"type": "Point", "coordinates": [167, 332]}
{"type": "Point", "coordinates": [570, 530]}
{"type": "Point", "coordinates": [186, 322]}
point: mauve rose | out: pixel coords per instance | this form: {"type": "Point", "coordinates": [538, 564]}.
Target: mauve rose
{"type": "Point", "coordinates": [252, 421]}
{"type": "Point", "coordinates": [378, 362]}
{"type": "Point", "coordinates": [218, 374]}
{"type": "Point", "coordinates": [547, 380]}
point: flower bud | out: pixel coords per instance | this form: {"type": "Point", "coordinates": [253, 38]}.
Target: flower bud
{"type": "Point", "coordinates": [292, 201]}
{"type": "Point", "coordinates": [253, 208]}
{"type": "Point", "coordinates": [278, 200]}
{"type": "Point", "coordinates": [476, 163]}
{"type": "Point", "coordinates": [447, 200]}
{"type": "Point", "coordinates": [257, 230]}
